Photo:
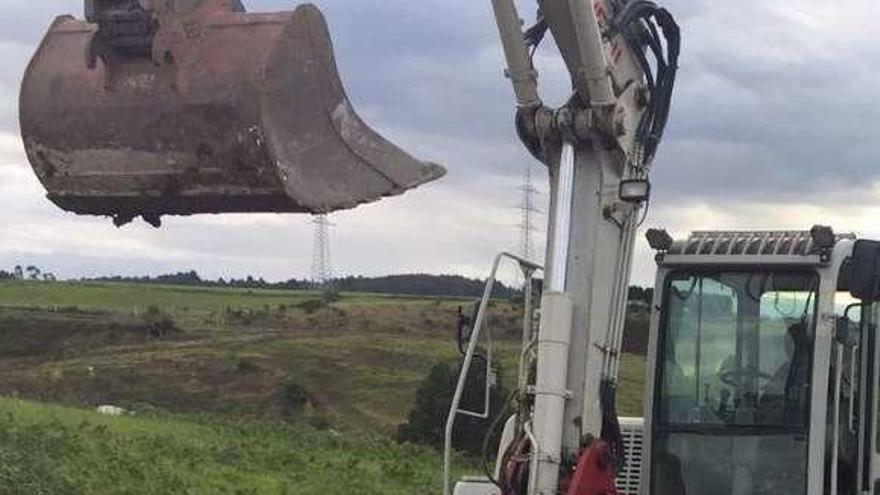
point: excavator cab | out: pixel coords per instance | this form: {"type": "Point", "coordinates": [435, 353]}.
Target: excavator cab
{"type": "Point", "coordinates": [764, 363]}
{"type": "Point", "coordinates": [178, 107]}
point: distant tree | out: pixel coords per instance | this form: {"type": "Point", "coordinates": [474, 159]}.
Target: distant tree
{"type": "Point", "coordinates": [407, 284]}
{"type": "Point", "coordinates": [180, 278]}
{"type": "Point", "coordinates": [49, 277]}
{"type": "Point", "coordinates": [19, 273]}
{"type": "Point", "coordinates": [33, 272]}
{"type": "Point", "coordinates": [422, 285]}
{"type": "Point", "coordinates": [637, 332]}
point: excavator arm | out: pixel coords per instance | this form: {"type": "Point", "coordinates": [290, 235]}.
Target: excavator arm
{"type": "Point", "coordinates": [599, 147]}
{"type": "Point", "coordinates": [622, 57]}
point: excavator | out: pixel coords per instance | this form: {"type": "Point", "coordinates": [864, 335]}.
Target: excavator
{"type": "Point", "coordinates": [762, 367]}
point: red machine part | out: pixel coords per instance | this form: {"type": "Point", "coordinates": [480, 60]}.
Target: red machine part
{"type": "Point", "coordinates": [515, 475]}
{"type": "Point", "coordinates": [594, 474]}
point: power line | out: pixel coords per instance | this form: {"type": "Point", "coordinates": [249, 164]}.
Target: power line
{"type": "Point", "coordinates": [322, 268]}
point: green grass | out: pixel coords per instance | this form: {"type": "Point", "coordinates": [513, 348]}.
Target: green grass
{"type": "Point", "coordinates": [58, 450]}
{"type": "Point", "coordinates": [631, 391]}
{"type": "Point", "coordinates": [134, 297]}
{"type": "Point", "coordinates": [358, 361]}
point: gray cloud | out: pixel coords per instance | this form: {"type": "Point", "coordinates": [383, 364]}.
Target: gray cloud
{"type": "Point", "coordinates": [775, 100]}
{"type": "Point", "coordinates": [774, 125]}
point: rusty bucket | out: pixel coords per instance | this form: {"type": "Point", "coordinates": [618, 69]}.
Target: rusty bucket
{"type": "Point", "coordinates": [151, 108]}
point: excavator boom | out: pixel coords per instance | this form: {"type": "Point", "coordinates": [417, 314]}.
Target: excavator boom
{"type": "Point", "coordinates": [195, 107]}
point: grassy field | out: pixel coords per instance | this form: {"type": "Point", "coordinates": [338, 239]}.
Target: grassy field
{"type": "Point", "coordinates": [57, 450]}
{"type": "Point", "coordinates": [343, 372]}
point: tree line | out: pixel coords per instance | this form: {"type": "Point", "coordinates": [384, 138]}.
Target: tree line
{"type": "Point", "coordinates": [409, 284]}
{"type": "Point", "coordinates": [412, 284]}
{"type": "Point", "coordinates": [29, 272]}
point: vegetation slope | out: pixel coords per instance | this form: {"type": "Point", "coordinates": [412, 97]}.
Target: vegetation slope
{"type": "Point", "coordinates": [261, 372]}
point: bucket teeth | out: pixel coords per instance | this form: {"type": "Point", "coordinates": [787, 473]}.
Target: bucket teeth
{"type": "Point", "coordinates": [226, 112]}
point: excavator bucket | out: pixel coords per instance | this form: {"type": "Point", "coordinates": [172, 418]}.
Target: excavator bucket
{"type": "Point", "coordinates": [150, 108]}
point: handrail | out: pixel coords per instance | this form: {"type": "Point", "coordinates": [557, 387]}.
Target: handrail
{"type": "Point", "coordinates": [528, 267]}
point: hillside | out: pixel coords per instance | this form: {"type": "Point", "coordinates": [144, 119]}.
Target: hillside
{"type": "Point", "coordinates": [355, 362]}
{"type": "Point", "coordinates": [59, 450]}
{"type": "Point", "coordinates": [260, 356]}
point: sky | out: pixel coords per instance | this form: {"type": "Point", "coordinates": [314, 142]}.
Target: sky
{"type": "Point", "coordinates": [774, 126]}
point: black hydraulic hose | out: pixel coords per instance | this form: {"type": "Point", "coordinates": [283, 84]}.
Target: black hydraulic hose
{"type": "Point", "coordinates": [611, 432]}
{"type": "Point", "coordinates": [535, 34]}
{"type": "Point", "coordinates": [648, 17]}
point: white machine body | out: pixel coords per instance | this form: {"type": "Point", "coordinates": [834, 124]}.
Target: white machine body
{"type": "Point", "coordinates": [762, 368]}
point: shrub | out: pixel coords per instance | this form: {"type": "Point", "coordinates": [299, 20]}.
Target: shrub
{"type": "Point", "coordinates": [330, 296]}
{"type": "Point", "coordinates": [293, 399]}
{"type": "Point", "coordinates": [320, 423]}
{"type": "Point", "coordinates": [636, 334]}
{"type": "Point", "coordinates": [426, 423]}
{"type": "Point", "coordinates": [311, 306]}
{"type": "Point", "coordinates": [246, 365]}
{"type": "Point", "coordinates": [160, 324]}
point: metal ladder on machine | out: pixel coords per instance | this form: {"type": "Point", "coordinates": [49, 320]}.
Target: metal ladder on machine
{"type": "Point", "coordinates": [482, 485]}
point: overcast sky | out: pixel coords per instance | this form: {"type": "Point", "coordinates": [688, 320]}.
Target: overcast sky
{"type": "Point", "coordinates": [775, 125]}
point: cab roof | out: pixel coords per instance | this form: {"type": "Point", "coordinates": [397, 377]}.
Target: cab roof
{"type": "Point", "coordinates": [780, 246]}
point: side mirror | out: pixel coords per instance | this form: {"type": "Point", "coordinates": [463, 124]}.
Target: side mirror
{"type": "Point", "coordinates": [864, 277]}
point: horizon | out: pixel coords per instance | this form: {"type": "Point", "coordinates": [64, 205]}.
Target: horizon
{"type": "Point", "coordinates": [275, 282]}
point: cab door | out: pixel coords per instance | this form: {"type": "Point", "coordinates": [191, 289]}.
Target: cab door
{"type": "Point", "coordinates": [870, 468]}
